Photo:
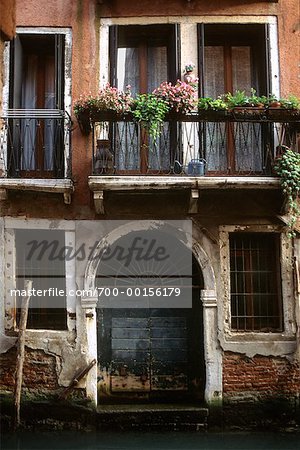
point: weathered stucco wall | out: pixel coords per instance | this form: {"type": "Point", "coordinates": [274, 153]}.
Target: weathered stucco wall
{"type": "Point", "coordinates": [80, 16]}
{"type": "Point", "coordinates": [7, 31]}
{"type": "Point", "coordinates": [7, 18]}
{"type": "Point", "coordinates": [83, 17]}
{"type": "Point", "coordinates": [63, 354]}
{"type": "Point", "coordinates": [287, 13]}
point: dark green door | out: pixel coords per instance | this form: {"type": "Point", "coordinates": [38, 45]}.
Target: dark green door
{"type": "Point", "coordinates": [150, 353]}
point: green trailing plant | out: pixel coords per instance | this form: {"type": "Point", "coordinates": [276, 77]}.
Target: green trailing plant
{"type": "Point", "coordinates": [287, 166]}
{"type": "Point", "coordinates": [150, 111]}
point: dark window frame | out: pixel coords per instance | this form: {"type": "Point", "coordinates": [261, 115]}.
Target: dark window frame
{"type": "Point", "coordinates": [22, 47]}
{"type": "Point", "coordinates": [143, 37]}
{"type": "Point", "coordinates": [255, 36]}
{"type": "Point", "coordinates": [230, 35]}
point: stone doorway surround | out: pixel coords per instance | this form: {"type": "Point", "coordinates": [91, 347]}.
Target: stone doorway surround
{"type": "Point", "coordinates": [212, 350]}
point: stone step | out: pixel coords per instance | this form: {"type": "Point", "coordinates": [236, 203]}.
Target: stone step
{"type": "Point", "coordinates": [152, 416]}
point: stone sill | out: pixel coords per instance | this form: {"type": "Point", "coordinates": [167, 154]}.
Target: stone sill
{"type": "Point", "coordinates": [266, 344]}
{"type": "Point", "coordinates": [259, 337]}
{"type": "Point", "coordinates": [138, 183]}
{"type": "Point", "coordinates": [56, 186]}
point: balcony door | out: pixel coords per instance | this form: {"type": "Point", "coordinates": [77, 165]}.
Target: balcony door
{"type": "Point", "coordinates": [143, 56]}
{"type": "Point", "coordinates": [233, 57]}
{"type": "Point", "coordinates": [36, 97]}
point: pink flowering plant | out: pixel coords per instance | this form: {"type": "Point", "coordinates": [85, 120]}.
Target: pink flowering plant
{"type": "Point", "coordinates": [108, 99]}
{"type": "Point", "coordinates": [180, 97]}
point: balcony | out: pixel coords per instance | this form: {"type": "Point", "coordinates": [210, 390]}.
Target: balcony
{"type": "Point", "coordinates": [35, 148]}
{"type": "Point", "coordinates": [202, 151]}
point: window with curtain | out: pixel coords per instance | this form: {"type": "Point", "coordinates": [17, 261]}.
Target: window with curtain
{"type": "Point", "coordinates": [233, 57]}
{"type": "Point", "coordinates": [37, 83]}
{"type": "Point", "coordinates": [143, 56]}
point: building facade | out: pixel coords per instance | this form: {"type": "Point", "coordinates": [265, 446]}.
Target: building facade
{"type": "Point", "coordinates": [239, 340]}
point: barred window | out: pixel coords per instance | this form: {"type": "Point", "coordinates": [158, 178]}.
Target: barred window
{"type": "Point", "coordinates": [256, 302]}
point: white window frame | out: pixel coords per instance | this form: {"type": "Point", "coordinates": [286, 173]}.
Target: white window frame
{"type": "Point", "coordinates": [8, 274]}
{"type": "Point", "coordinates": [67, 32]}
{"type": "Point", "coordinates": [188, 30]}
{"type": "Point", "coordinates": [238, 340]}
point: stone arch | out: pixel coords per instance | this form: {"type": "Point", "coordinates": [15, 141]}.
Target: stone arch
{"type": "Point", "coordinates": [212, 351]}
{"type": "Point", "coordinates": [198, 251]}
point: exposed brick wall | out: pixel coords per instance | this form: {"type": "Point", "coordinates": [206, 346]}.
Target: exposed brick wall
{"type": "Point", "coordinates": [39, 371]}
{"type": "Point", "coordinates": [259, 377]}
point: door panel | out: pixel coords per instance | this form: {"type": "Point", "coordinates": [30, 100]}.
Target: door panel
{"type": "Point", "coordinates": [148, 353]}
{"type": "Point", "coordinates": [169, 368]}
{"type": "Point", "coordinates": [130, 345]}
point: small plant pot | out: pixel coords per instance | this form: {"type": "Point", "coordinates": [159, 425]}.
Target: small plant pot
{"type": "Point", "coordinates": [283, 114]}
{"type": "Point", "coordinates": [84, 122]}
{"type": "Point", "coordinates": [211, 115]}
{"type": "Point", "coordinates": [248, 112]}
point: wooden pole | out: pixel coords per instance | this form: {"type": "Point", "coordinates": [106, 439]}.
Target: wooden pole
{"type": "Point", "coordinates": [75, 380]}
{"type": "Point", "coordinates": [21, 352]}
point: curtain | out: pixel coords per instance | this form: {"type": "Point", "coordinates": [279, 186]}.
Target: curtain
{"type": "Point", "coordinates": [51, 131]}
{"type": "Point", "coordinates": [33, 136]}
{"type": "Point", "coordinates": [29, 125]}
{"type": "Point", "coordinates": [214, 133]}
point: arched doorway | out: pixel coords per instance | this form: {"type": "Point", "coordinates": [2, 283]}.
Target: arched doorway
{"type": "Point", "coordinates": [150, 353]}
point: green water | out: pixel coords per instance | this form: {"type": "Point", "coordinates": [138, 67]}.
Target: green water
{"type": "Point", "coordinates": [150, 441]}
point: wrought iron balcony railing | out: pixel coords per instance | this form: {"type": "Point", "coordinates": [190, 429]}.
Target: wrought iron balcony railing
{"type": "Point", "coordinates": [240, 145]}
{"type": "Point", "coordinates": [35, 144]}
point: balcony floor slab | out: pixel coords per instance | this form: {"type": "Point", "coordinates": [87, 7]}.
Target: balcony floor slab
{"type": "Point", "coordinates": [63, 186]}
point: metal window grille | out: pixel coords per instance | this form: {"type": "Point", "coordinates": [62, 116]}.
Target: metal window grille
{"type": "Point", "coordinates": [256, 302]}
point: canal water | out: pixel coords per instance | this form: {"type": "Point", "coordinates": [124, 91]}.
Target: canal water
{"type": "Point", "coordinates": [150, 440]}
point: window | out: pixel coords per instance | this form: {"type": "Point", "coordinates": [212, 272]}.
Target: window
{"type": "Point", "coordinates": [256, 303]}
{"type": "Point", "coordinates": [143, 56]}
{"type": "Point", "coordinates": [37, 259]}
{"type": "Point", "coordinates": [36, 95]}
{"type": "Point", "coordinates": [234, 57]}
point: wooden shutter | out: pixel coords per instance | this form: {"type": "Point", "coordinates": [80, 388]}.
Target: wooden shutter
{"type": "Point", "coordinates": [175, 54]}
{"type": "Point", "coordinates": [268, 59]}
{"type": "Point", "coordinates": [113, 54]}
{"type": "Point", "coordinates": [59, 70]}
{"type": "Point", "coordinates": [16, 73]}
{"type": "Point", "coordinates": [200, 33]}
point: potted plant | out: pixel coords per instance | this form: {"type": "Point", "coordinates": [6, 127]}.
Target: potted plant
{"type": "Point", "coordinates": [180, 97]}
{"type": "Point", "coordinates": [108, 104]}
{"type": "Point", "coordinates": [284, 108]}
{"type": "Point", "coordinates": [245, 106]}
{"type": "Point", "coordinates": [150, 111]}
{"type": "Point", "coordinates": [212, 109]}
